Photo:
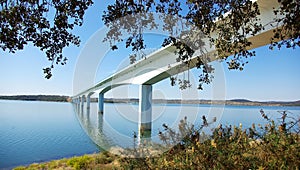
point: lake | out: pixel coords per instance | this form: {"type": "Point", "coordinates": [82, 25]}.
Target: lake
{"type": "Point", "coordinates": [32, 131]}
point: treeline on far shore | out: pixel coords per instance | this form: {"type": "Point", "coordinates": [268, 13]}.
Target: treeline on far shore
{"type": "Point", "coordinates": [52, 98]}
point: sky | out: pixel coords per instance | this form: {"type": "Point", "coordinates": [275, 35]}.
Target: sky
{"type": "Point", "coordinates": [269, 76]}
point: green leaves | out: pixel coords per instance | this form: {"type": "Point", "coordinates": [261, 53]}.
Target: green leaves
{"type": "Point", "coordinates": [133, 17]}
{"type": "Point", "coordinates": [289, 34]}
{"type": "Point", "coordinates": [27, 21]}
{"type": "Point", "coordinates": [229, 21]}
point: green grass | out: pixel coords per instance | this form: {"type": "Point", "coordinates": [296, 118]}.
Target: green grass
{"type": "Point", "coordinates": [103, 160]}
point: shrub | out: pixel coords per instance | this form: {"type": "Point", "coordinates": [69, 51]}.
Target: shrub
{"type": "Point", "coordinates": [273, 146]}
{"type": "Point", "coordinates": [81, 162]}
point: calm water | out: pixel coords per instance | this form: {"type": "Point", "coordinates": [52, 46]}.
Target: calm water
{"type": "Point", "coordinates": [41, 131]}
{"type": "Point", "coordinates": [119, 122]}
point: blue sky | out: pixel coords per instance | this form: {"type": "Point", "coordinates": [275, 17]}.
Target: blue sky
{"type": "Point", "coordinates": [271, 75]}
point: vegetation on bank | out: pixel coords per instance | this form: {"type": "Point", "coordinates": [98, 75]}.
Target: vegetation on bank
{"type": "Point", "coordinates": [275, 145]}
{"type": "Point", "coordinates": [51, 98]}
{"type": "Point", "coordinates": [103, 160]}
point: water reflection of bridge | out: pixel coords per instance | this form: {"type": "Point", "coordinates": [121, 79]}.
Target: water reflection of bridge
{"type": "Point", "coordinates": [101, 131]}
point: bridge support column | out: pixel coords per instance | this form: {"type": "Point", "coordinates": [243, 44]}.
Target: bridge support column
{"type": "Point", "coordinates": [82, 101]}
{"type": "Point", "coordinates": [145, 110]}
{"type": "Point", "coordinates": [79, 104]}
{"type": "Point", "coordinates": [101, 103]}
{"type": "Point", "coordinates": [88, 101]}
{"type": "Point", "coordinates": [82, 104]}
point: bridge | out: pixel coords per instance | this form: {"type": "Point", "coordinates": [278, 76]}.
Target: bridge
{"type": "Point", "coordinates": [162, 64]}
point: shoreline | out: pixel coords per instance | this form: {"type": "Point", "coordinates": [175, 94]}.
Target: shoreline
{"type": "Point", "coordinates": [49, 98]}
{"type": "Point", "coordinates": [233, 102]}
{"type": "Point", "coordinates": [207, 102]}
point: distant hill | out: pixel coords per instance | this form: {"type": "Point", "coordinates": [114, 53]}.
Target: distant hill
{"type": "Point", "coordinates": [267, 103]}
{"type": "Point", "coordinates": [52, 98]}
{"type": "Point", "coordinates": [240, 100]}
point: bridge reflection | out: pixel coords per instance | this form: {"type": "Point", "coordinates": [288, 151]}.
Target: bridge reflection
{"type": "Point", "coordinates": [93, 125]}
{"type": "Point", "coordinates": [104, 134]}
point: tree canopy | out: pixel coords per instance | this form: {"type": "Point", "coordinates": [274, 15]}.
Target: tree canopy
{"type": "Point", "coordinates": [29, 21]}
{"type": "Point", "coordinates": [231, 20]}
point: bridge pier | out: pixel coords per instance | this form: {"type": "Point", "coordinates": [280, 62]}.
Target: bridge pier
{"type": "Point", "coordinates": [78, 103]}
{"type": "Point", "coordinates": [82, 104]}
{"type": "Point", "coordinates": [145, 110]}
{"type": "Point", "coordinates": [82, 101]}
{"type": "Point", "coordinates": [101, 103]}
{"type": "Point", "coordinates": [88, 101]}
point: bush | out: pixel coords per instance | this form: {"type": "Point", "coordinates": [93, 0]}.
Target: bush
{"type": "Point", "coordinates": [273, 146]}
{"type": "Point", "coordinates": [81, 162]}
{"type": "Point", "coordinates": [105, 158]}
